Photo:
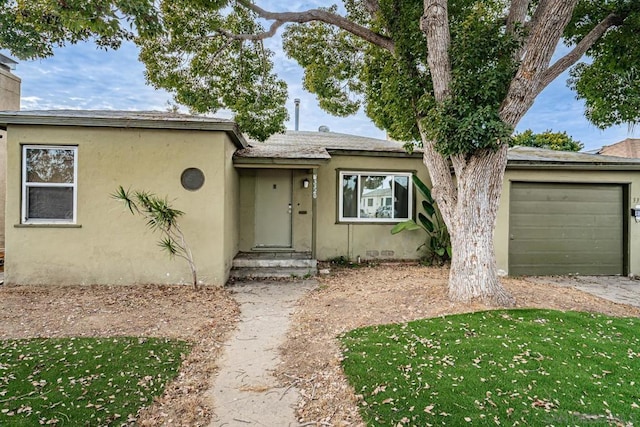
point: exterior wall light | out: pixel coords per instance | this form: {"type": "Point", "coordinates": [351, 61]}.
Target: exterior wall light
{"type": "Point", "coordinates": [305, 183]}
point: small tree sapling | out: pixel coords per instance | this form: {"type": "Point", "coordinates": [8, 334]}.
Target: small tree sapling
{"type": "Point", "coordinates": [160, 217]}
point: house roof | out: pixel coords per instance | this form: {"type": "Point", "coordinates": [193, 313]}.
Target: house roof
{"type": "Point", "coordinates": [629, 147]}
{"type": "Point", "coordinates": [123, 119]}
{"type": "Point", "coordinates": [7, 62]}
{"type": "Point", "coordinates": [378, 192]}
{"type": "Point", "coordinates": [529, 157]}
{"type": "Point", "coordinates": [302, 147]}
{"type": "Point", "coordinates": [317, 147]}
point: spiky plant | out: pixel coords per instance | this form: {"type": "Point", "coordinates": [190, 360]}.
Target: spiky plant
{"type": "Point", "coordinates": [160, 216]}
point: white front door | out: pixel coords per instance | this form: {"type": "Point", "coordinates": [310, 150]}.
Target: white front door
{"type": "Point", "coordinates": [273, 208]}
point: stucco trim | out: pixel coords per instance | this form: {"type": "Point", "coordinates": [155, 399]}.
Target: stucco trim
{"type": "Point", "coordinates": [253, 163]}
{"type": "Point", "coordinates": [402, 154]}
{"type": "Point", "coordinates": [47, 225]}
{"type": "Point", "coordinates": [195, 123]}
{"type": "Point", "coordinates": [527, 165]}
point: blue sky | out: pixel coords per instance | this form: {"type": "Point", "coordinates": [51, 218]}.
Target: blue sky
{"type": "Point", "coordinates": [83, 77]}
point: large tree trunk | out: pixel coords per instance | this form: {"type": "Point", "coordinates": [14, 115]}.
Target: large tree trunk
{"type": "Point", "coordinates": [473, 273]}
{"type": "Point", "coordinates": [469, 207]}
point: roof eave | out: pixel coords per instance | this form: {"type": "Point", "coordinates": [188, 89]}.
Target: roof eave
{"type": "Point", "coordinates": [252, 162]}
{"type": "Point", "coordinates": [230, 128]}
{"type": "Point", "coordinates": [541, 165]}
{"type": "Point", "coordinates": [375, 153]}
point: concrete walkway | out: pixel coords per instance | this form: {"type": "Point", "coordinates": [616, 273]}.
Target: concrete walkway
{"type": "Point", "coordinates": [618, 289]}
{"type": "Point", "coordinates": [245, 393]}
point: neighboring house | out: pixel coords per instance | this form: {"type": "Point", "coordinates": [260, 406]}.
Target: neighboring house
{"type": "Point", "coordinates": [320, 194]}
{"type": "Point", "coordinates": [377, 203]}
{"type": "Point", "coordinates": [629, 147]}
{"type": "Point", "coordinates": [9, 100]}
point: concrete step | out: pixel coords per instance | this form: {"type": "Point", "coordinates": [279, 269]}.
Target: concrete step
{"type": "Point", "coordinates": [274, 263]}
{"type": "Point", "coordinates": [272, 272]}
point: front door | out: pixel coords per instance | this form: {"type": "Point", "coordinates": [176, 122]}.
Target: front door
{"type": "Point", "coordinates": [273, 208]}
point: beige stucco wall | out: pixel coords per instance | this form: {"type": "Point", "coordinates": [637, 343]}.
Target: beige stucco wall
{"type": "Point", "coordinates": [231, 220]}
{"type": "Point", "coordinates": [630, 178]}
{"type": "Point", "coordinates": [369, 241]}
{"type": "Point", "coordinates": [111, 246]}
{"type": "Point", "coordinates": [247, 208]}
{"type": "Point", "coordinates": [9, 100]}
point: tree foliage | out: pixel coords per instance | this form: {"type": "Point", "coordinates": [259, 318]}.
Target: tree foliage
{"type": "Point", "coordinates": [207, 69]}
{"type": "Point", "coordinates": [438, 242]}
{"type": "Point", "coordinates": [30, 29]}
{"type": "Point", "coordinates": [455, 75]}
{"type": "Point", "coordinates": [559, 141]}
{"type": "Point", "coordinates": [211, 55]}
{"type": "Point", "coordinates": [610, 82]}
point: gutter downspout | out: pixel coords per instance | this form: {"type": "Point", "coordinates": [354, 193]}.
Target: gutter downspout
{"type": "Point", "coordinates": [314, 213]}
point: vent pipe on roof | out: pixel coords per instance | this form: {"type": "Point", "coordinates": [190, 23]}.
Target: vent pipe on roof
{"type": "Point", "coordinates": [297, 115]}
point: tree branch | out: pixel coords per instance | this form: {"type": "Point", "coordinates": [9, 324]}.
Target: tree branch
{"type": "Point", "coordinates": [517, 14]}
{"type": "Point", "coordinates": [579, 50]}
{"type": "Point", "coordinates": [435, 25]}
{"type": "Point", "coordinates": [372, 6]}
{"type": "Point", "coordinates": [443, 187]}
{"type": "Point", "coordinates": [311, 15]}
{"type": "Point", "coordinates": [547, 25]}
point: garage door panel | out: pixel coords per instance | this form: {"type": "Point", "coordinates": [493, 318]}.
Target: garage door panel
{"type": "Point", "coordinates": [564, 208]}
{"type": "Point", "coordinates": [564, 235]}
{"type": "Point", "coordinates": [566, 229]}
{"type": "Point", "coordinates": [567, 247]}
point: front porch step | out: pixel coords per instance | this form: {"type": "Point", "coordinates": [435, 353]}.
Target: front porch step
{"type": "Point", "coordinates": [264, 265]}
{"type": "Point", "coordinates": [272, 273]}
{"type": "Point", "coordinates": [274, 263]}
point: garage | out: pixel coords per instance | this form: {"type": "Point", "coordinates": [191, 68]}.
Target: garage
{"type": "Point", "coordinates": [566, 228]}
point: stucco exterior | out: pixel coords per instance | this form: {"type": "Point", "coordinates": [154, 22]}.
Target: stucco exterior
{"type": "Point", "coordinates": [108, 245]}
{"type": "Point", "coordinates": [369, 241]}
{"type": "Point", "coordinates": [630, 179]}
{"type": "Point", "coordinates": [105, 244]}
{"type": "Point", "coordinates": [9, 100]}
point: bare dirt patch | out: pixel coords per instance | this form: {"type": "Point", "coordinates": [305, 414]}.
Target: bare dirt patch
{"type": "Point", "coordinates": [349, 299]}
{"type": "Point", "coordinates": [204, 317]}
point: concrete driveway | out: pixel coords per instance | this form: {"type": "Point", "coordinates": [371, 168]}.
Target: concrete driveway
{"type": "Point", "coordinates": [620, 289]}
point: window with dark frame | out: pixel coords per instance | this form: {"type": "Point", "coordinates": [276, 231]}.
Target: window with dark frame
{"type": "Point", "coordinates": [49, 184]}
{"type": "Point", "coordinates": [375, 196]}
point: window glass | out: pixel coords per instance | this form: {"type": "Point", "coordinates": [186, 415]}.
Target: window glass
{"type": "Point", "coordinates": [349, 196]}
{"type": "Point", "coordinates": [369, 196]}
{"type": "Point", "coordinates": [49, 165]}
{"type": "Point", "coordinates": [401, 196]}
{"type": "Point", "coordinates": [50, 202]}
{"type": "Point", "coordinates": [48, 184]}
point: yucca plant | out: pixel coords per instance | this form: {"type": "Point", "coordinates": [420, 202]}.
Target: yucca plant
{"type": "Point", "coordinates": [160, 217]}
{"type": "Point", "coordinates": [438, 243]}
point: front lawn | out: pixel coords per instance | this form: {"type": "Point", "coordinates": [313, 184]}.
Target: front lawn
{"type": "Point", "coordinates": [507, 367]}
{"type": "Point", "coordinates": [83, 381]}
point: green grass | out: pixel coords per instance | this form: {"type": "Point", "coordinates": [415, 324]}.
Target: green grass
{"type": "Point", "coordinates": [83, 381]}
{"type": "Point", "coordinates": [509, 367]}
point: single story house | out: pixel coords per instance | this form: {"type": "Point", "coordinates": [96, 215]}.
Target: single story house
{"type": "Point", "coordinates": [629, 147]}
{"type": "Point", "coordinates": [298, 193]}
